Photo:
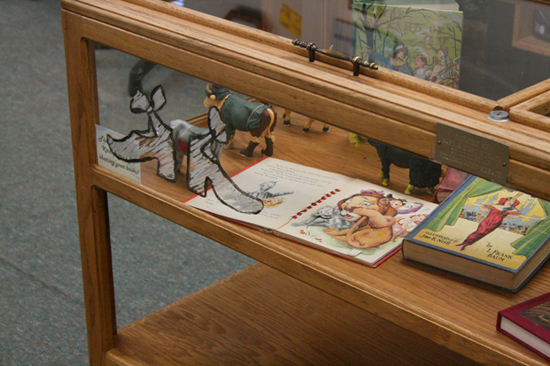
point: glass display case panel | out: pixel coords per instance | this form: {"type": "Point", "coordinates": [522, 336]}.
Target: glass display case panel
{"type": "Point", "coordinates": [141, 108]}
{"type": "Point", "coordinates": [494, 48]}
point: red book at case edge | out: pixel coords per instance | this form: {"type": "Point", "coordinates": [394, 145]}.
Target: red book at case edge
{"type": "Point", "coordinates": [519, 322]}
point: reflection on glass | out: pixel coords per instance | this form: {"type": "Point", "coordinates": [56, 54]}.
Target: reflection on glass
{"type": "Point", "coordinates": [505, 46]}
{"type": "Point", "coordinates": [424, 43]}
{"type": "Point", "coordinates": [117, 83]}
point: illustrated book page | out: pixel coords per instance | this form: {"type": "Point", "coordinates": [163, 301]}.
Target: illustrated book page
{"type": "Point", "coordinates": [362, 221]}
{"type": "Point", "coordinates": [487, 223]}
{"type": "Point", "coordinates": [342, 215]}
{"type": "Point", "coordinates": [285, 189]}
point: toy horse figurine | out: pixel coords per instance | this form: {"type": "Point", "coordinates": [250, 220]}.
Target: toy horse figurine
{"type": "Point", "coordinates": [307, 126]}
{"type": "Point", "coordinates": [243, 115]}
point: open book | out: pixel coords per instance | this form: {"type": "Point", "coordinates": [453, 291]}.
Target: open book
{"type": "Point", "coordinates": [332, 212]}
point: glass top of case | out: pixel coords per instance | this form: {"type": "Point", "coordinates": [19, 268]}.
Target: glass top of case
{"type": "Point", "coordinates": [490, 48]}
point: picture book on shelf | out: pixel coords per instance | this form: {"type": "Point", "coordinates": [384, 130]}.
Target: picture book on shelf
{"type": "Point", "coordinates": [528, 323]}
{"type": "Point", "coordinates": [451, 5]}
{"type": "Point", "coordinates": [421, 42]}
{"type": "Point", "coordinates": [348, 217]}
{"type": "Point", "coordinates": [486, 232]}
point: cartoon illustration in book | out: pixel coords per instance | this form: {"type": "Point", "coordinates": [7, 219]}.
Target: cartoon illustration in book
{"type": "Point", "coordinates": [397, 61]}
{"type": "Point", "coordinates": [265, 191]}
{"type": "Point", "coordinates": [327, 216]}
{"type": "Point", "coordinates": [496, 213]}
{"type": "Point", "coordinates": [402, 206]}
{"type": "Point", "coordinates": [489, 222]}
{"type": "Point", "coordinates": [442, 73]}
{"type": "Point", "coordinates": [240, 114]}
{"type": "Point", "coordinates": [420, 69]}
{"type": "Point", "coordinates": [367, 219]}
{"type": "Point", "coordinates": [405, 225]}
{"type": "Point", "coordinates": [272, 202]}
{"type": "Point", "coordinates": [413, 41]}
{"type": "Point", "coordinates": [169, 143]}
{"type": "Point", "coordinates": [372, 218]}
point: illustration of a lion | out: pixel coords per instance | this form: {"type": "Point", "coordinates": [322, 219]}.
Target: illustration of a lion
{"type": "Point", "coordinates": [372, 218]}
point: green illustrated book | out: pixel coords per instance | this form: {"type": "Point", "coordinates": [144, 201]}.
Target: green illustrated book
{"type": "Point", "coordinates": [486, 232]}
{"type": "Point", "coordinates": [450, 5]}
{"type": "Point", "coordinates": [424, 43]}
{"type": "Point", "coordinates": [344, 216]}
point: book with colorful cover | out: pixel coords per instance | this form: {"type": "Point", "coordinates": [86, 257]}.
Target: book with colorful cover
{"type": "Point", "coordinates": [528, 323]}
{"type": "Point", "coordinates": [486, 232]}
{"type": "Point", "coordinates": [347, 217]}
{"type": "Point", "coordinates": [451, 5]}
{"type": "Point", "coordinates": [424, 43]}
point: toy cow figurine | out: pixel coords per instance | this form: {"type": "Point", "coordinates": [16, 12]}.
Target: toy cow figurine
{"type": "Point", "coordinates": [423, 173]}
{"type": "Point", "coordinates": [307, 126]}
{"type": "Point", "coordinates": [239, 114]}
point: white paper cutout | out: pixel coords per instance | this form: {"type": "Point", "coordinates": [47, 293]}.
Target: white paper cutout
{"type": "Point", "coordinates": [168, 144]}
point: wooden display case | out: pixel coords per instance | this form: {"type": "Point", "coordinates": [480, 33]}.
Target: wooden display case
{"type": "Point", "coordinates": [299, 305]}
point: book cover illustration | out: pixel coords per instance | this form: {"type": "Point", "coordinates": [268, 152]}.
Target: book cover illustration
{"type": "Point", "coordinates": [424, 43]}
{"type": "Point", "coordinates": [364, 222]}
{"type": "Point", "coordinates": [528, 323]}
{"type": "Point", "coordinates": [539, 315]}
{"type": "Point", "coordinates": [486, 222]}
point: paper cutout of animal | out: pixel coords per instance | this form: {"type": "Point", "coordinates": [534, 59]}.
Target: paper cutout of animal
{"type": "Point", "coordinates": [170, 143]}
{"type": "Point", "coordinates": [240, 114]}
{"type": "Point", "coordinates": [423, 173]}
{"type": "Point", "coordinates": [154, 143]}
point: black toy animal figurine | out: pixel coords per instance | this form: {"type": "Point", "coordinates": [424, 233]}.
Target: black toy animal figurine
{"type": "Point", "coordinates": [423, 173]}
{"type": "Point", "coordinates": [240, 114]}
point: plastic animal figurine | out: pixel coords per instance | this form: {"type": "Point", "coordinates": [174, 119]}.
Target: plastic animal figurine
{"type": "Point", "coordinates": [183, 133]}
{"type": "Point", "coordinates": [240, 114]}
{"type": "Point", "coordinates": [307, 126]}
{"type": "Point", "coordinates": [423, 173]}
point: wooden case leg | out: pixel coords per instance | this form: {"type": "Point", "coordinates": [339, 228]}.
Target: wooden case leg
{"type": "Point", "coordinates": [93, 218]}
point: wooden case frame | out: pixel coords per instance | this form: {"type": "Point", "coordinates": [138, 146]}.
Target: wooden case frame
{"type": "Point", "coordinates": [377, 103]}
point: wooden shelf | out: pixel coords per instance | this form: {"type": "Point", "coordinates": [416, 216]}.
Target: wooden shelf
{"type": "Point", "coordinates": [401, 292]}
{"type": "Point", "coordinates": [261, 316]}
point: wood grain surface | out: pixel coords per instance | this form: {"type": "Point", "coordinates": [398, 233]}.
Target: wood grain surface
{"type": "Point", "coordinates": [263, 317]}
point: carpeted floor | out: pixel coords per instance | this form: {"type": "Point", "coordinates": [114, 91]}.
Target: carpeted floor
{"type": "Point", "coordinates": [42, 319]}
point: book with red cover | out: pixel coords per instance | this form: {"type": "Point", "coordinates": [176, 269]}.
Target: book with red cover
{"type": "Point", "coordinates": [528, 323]}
